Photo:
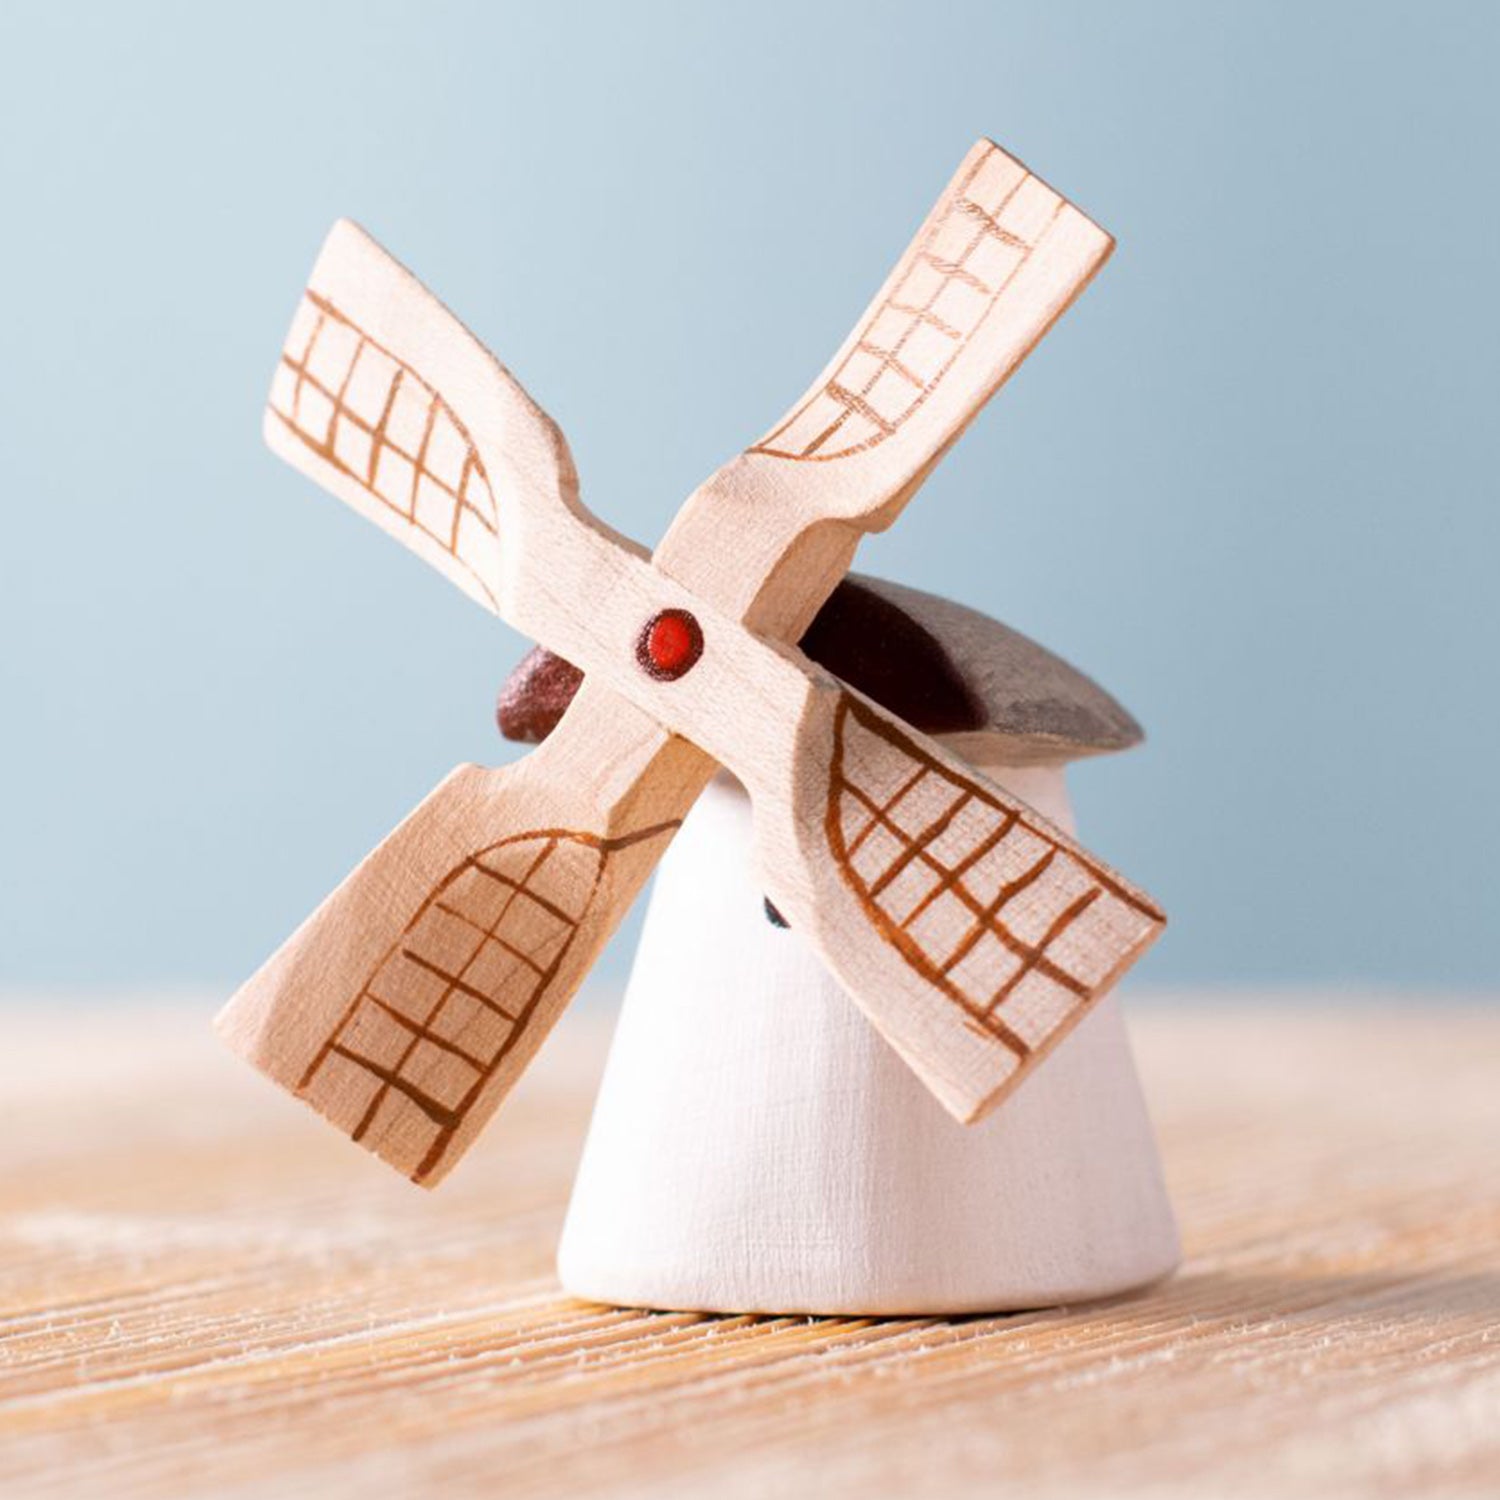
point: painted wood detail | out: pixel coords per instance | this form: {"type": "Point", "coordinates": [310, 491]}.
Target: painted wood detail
{"type": "Point", "coordinates": [417, 1045]}
{"type": "Point", "coordinates": [949, 282]}
{"type": "Point", "coordinates": [379, 423]}
{"type": "Point", "coordinates": [981, 898]}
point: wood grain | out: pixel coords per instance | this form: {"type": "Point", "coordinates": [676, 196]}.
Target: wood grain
{"type": "Point", "coordinates": [425, 983]}
{"type": "Point", "coordinates": [204, 1292]}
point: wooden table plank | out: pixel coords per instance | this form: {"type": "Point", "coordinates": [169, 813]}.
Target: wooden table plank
{"type": "Point", "coordinates": [204, 1291]}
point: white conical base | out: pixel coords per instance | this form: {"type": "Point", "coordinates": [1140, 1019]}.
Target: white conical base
{"type": "Point", "coordinates": [757, 1147]}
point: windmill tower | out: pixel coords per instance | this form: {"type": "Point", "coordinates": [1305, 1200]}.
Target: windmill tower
{"type": "Point", "coordinates": [756, 1145]}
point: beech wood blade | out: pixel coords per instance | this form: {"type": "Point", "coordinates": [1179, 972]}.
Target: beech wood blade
{"type": "Point", "coordinates": [998, 259]}
{"type": "Point", "coordinates": [407, 1005]}
{"type": "Point", "coordinates": [385, 399]}
{"type": "Point", "coordinates": [972, 931]}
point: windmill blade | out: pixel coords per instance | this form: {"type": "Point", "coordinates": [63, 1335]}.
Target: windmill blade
{"type": "Point", "coordinates": [997, 261]}
{"type": "Point", "coordinates": [407, 1005]}
{"type": "Point", "coordinates": [384, 398]}
{"type": "Point", "coordinates": [972, 931]}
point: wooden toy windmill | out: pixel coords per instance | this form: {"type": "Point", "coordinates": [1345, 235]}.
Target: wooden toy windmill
{"type": "Point", "coordinates": [971, 930]}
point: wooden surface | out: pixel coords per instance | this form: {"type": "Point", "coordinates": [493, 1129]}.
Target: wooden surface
{"type": "Point", "coordinates": [206, 1291]}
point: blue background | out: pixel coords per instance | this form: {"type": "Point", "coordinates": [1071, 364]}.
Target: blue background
{"type": "Point", "coordinates": [1249, 482]}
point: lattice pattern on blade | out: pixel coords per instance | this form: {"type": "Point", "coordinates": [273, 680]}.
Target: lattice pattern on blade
{"type": "Point", "coordinates": [377, 422]}
{"type": "Point", "coordinates": [977, 895]}
{"type": "Point", "coordinates": [993, 219]}
{"type": "Point", "coordinates": [450, 999]}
